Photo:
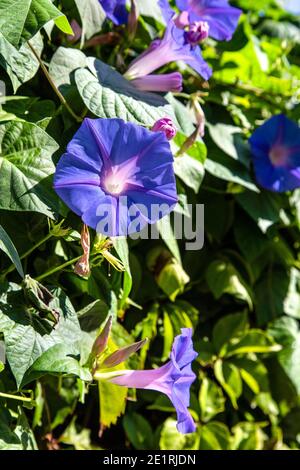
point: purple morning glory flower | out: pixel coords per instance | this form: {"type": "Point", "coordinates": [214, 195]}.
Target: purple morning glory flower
{"type": "Point", "coordinates": [221, 18]}
{"type": "Point", "coordinates": [173, 379]}
{"type": "Point", "coordinates": [117, 176]}
{"type": "Point", "coordinates": [115, 10]}
{"type": "Point", "coordinates": [175, 45]}
{"type": "Point", "coordinates": [275, 148]}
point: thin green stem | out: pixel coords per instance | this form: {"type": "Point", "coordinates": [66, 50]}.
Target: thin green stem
{"type": "Point", "coordinates": [57, 268]}
{"type": "Point", "coordinates": [54, 87]}
{"type": "Point", "coordinates": [15, 397]}
{"type": "Point", "coordinates": [12, 267]}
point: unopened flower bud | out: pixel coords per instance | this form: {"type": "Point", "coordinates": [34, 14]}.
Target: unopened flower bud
{"type": "Point", "coordinates": [168, 272]}
{"type": "Point", "coordinates": [77, 32]}
{"type": "Point", "coordinates": [121, 355]}
{"type": "Point", "coordinates": [132, 19]}
{"type": "Point", "coordinates": [102, 340]}
{"type": "Point", "coordinates": [82, 267]}
{"type": "Point", "coordinates": [167, 126]}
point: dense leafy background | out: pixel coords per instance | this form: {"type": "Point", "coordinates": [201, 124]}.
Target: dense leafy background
{"type": "Point", "coordinates": [240, 293]}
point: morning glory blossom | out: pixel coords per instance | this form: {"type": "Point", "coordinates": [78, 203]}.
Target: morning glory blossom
{"type": "Point", "coordinates": [275, 148]}
{"type": "Point", "coordinates": [115, 10]}
{"type": "Point", "coordinates": [174, 379]}
{"type": "Point", "coordinates": [174, 46]}
{"type": "Point", "coordinates": [221, 18]}
{"type": "Point", "coordinates": [117, 176]}
{"type": "Point", "coordinates": [159, 83]}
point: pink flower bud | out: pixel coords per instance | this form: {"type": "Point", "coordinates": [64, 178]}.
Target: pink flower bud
{"type": "Point", "coordinates": [167, 126]}
{"type": "Point", "coordinates": [198, 32]}
{"type": "Point", "coordinates": [77, 32]}
{"type": "Point", "coordinates": [132, 19]}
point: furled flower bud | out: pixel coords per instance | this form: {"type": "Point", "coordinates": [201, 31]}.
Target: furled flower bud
{"type": "Point", "coordinates": [168, 272]}
{"type": "Point", "coordinates": [77, 32]}
{"type": "Point", "coordinates": [132, 19]}
{"type": "Point", "coordinates": [121, 355]}
{"type": "Point", "coordinates": [101, 341]}
{"type": "Point", "coordinates": [167, 126]}
{"type": "Point", "coordinates": [198, 32]}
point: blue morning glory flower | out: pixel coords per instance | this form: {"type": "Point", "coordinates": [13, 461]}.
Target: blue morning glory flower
{"type": "Point", "coordinates": [275, 148]}
{"type": "Point", "coordinates": [177, 44]}
{"type": "Point", "coordinates": [117, 176]}
{"type": "Point", "coordinates": [115, 10]}
{"type": "Point", "coordinates": [174, 379]}
{"type": "Point", "coordinates": [221, 18]}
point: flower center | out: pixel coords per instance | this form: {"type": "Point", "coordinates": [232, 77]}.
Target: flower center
{"type": "Point", "coordinates": [279, 155]}
{"type": "Point", "coordinates": [113, 184]}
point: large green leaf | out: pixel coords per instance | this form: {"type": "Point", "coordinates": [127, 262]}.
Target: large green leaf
{"type": "Point", "coordinates": [63, 63]}
{"type": "Point", "coordinates": [21, 65]}
{"type": "Point", "coordinates": [253, 341]}
{"type": "Point", "coordinates": [17, 436]}
{"type": "Point", "coordinates": [229, 327]}
{"type": "Point", "coordinates": [189, 166]}
{"type": "Point", "coordinates": [171, 439]}
{"type": "Point", "coordinates": [271, 294]}
{"type": "Point", "coordinates": [264, 208]}
{"type": "Point", "coordinates": [229, 140]}
{"type": "Point", "coordinates": [214, 436]}
{"type": "Point", "coordinates": [25, 165]}
{"type": "Point", "coordinates": [59, 359]}
{"type": "Point", "coordinates": [112, 402]}
{"type": "Point", "coordinates": [138, 431]}
{"type": "Point", "coordinates": [211, 399]}
{"type": "Point", "coordinates": [9, 248]}
{"type": "Point", "coordinates": [150, 8]}
{"type": "Point", "coordinates": [229, 377]}
{"type": "Point", "coordinates": [27, 337]}
{"type": "Point", "coordinates": [109, 95]}
{"type": "Point", "coordinates": [248, 436]}
{"type": "Point", "coordinates": [226, 168]}
{"type": "Point", "coordinates": [286, 332]}
{"type": "Point", "coordinates": [22, 19]}
{"type": "Point", "coordinates": [92, 17]}
{"type": "Point", "coordinates": [223, 278]}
